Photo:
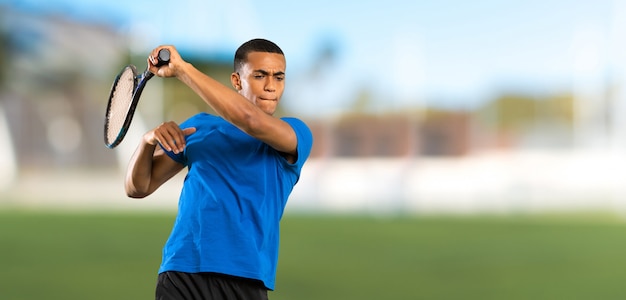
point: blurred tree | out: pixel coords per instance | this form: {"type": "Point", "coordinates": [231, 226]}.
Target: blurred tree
{"type": "Point", "coordinates": [363, 101]}
{"type": "Point", "coordinates": [517, 112]}
{"type": "Point", "coordinates": [560, 108]}
{"type": "Point", "coordinates": [512, 111]}
{"type": "Point", "coordinates": [527, 120]}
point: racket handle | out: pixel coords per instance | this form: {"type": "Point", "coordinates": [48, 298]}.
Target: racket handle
{"type": "Point", "coordinates": [163, 57]}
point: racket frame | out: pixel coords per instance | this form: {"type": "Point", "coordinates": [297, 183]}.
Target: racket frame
{"type": "Point", "coordinates": [139, 83]}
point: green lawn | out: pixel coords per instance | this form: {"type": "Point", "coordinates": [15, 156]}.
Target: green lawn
{"type": "Point", "coordinates": [91, 256]}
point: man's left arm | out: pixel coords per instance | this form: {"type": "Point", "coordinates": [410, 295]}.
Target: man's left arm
{"type": "Point", "coordinates": [232, 106]}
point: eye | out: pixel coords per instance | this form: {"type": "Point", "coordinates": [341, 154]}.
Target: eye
{"type": "Point", "coordinates": [280, 78]}
{"type": "Point", "coordinates": [259, 76]}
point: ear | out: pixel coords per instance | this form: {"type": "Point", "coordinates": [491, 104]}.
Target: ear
{"type": "Point", "coordinates": [235, 80]}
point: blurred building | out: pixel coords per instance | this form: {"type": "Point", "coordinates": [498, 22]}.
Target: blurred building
{"type": "Point", "coordinates": [392, 136]}
{"type": "Point", "coordinates": [52, 90]}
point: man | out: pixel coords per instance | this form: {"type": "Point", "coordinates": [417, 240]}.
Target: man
{"type": "Point", "coordinates": [242, 166]}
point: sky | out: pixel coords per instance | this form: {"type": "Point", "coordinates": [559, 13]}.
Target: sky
{"type": "Point", "coordinates": [451, 53]}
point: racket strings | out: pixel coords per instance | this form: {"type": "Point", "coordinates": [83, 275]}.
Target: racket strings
{"type": "Point", "coordinates": [121, 100]}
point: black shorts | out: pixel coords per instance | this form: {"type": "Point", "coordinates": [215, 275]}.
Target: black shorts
{"type": "Point", "coordinates": [208, 286]}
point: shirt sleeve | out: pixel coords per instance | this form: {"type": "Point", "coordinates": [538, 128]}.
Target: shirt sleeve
{"type": "Point", "coordinates": [179, 158]}
{"type": "Point", "coordinates": [304, 137]}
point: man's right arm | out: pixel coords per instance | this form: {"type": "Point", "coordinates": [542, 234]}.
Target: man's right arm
{"type": "Point", "coordinates": [150, 166]}
{"type": "Point", "coordinates": [148, 170]}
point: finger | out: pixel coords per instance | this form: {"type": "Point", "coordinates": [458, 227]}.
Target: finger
{"type": "Point", "coordinates": [172, 142]}
{"type": "Point", "coordinates": [164, 135]}
{"type": "Point", "coordinates": [178, 139]}
{"type": "Point", "coordinates": [188, 131]}
{"type": "Point", "coordinates": [151, 64]}
{"type": "Point", "coordinates": [153, 57]}
{"type": "Point", "coordinates": [164, 140]}
{"type": "Point", "coordinates": [153, 60]}
{"type": "Point", "coordinates": [174, 137]}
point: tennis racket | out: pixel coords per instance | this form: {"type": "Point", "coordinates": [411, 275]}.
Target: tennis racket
{"type": "Point", "coordinates": [123, 99]}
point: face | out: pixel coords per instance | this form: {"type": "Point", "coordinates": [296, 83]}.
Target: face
{"type": "Point", "coordinates": [262, 80]}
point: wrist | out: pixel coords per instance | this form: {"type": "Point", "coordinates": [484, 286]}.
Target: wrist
{"type": "Point", "coordinates": [149, 140]}
{"type": "Point", "coordinates": [182, 70]}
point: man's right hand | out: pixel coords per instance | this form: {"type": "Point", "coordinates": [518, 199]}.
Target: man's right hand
{"type": "Point", "coordinates": [169, 135]}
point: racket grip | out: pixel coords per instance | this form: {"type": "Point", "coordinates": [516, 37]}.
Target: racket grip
{"type": "Point", "coordinates": [163, 57]}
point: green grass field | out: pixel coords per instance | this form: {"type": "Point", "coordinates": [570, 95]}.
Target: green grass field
{"type": "Point", "coordinates": [91, 256]}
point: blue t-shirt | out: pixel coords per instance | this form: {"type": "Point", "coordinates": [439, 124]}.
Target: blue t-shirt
{"type": "Point", "coordinates": [232, 200]}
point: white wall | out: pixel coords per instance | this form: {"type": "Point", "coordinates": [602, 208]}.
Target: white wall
{"type": "Point", "coordinates": [488, 183]}
{"type": "Point", "coordinates": [501, 183]}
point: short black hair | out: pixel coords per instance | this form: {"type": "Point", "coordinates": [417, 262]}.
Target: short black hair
{"type": "Point", "coordinates": [254, 45]}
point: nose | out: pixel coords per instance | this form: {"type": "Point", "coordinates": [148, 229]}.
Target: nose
{"type": "Point", "coordinates": [270, 84]}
